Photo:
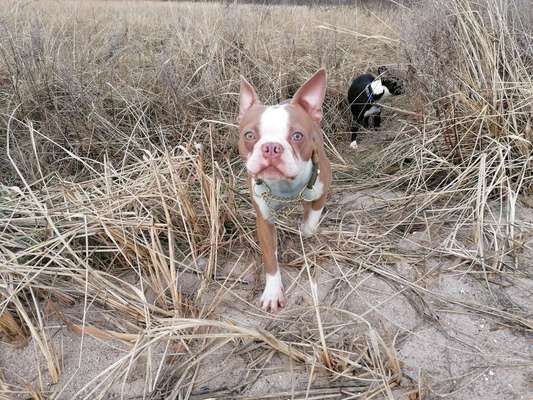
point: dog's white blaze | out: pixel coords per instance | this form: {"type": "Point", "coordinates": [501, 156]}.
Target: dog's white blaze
{"type": "Point", "coordinates": [353, 145]}
{"type": "Point", "coordinates": [274, 127]}
{"type": "Point", "coordinates": [273, 288]}
{"type": "Point", "coordinates": [310, 225]}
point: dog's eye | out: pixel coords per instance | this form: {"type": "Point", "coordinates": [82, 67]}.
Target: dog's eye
{"type": "Point", "coordinates": [249, 135]}
{"type": "Point", "coordinates": [297, 136]}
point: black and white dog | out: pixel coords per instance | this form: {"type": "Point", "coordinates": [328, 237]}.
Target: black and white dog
{"type": "Point", "coordinates": [365, 95]}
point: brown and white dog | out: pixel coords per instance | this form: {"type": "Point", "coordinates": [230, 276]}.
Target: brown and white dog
{"type": "Point", "coordinates": [283, 148]}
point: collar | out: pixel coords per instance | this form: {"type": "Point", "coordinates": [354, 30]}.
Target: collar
{"type": "Point", "coordinates": [314, 172]}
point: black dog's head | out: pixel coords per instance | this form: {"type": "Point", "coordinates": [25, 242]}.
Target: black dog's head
{"type": "Point", "coordinates": [395, 85]}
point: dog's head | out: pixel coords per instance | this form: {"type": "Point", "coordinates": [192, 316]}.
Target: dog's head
{"type": "Point", "coordinates": [395, 85]}
{"type": "Point", "coordinates": [277, 141]}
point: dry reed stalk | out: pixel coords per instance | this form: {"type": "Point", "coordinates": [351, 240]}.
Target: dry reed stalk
{"type": "Point", "coordinates": [104, 180]}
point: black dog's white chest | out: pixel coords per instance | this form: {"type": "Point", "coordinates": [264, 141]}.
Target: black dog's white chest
{"type": "Point", "coordinates": [364, 97]}
{"type": "Point", "coordinates": [366, 92]}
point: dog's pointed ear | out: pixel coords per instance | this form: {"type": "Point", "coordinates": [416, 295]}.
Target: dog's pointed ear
{"type": "Point", "coordinates": [247, 97]}
{"type": "Point", "coordinates": [311, 95]}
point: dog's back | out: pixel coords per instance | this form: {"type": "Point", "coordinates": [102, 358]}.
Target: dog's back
{"type": "Point", "coordinates": [358, 95]}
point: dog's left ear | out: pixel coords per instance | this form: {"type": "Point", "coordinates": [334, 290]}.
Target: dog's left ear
{"type": "Point", "coordinates": [311, 95]}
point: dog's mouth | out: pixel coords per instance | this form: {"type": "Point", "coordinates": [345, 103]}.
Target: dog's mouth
{"type": "Point", "coordinates": [272, 172]}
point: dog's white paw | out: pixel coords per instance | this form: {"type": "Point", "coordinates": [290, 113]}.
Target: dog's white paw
{"type": "Point", "coordinates": [308, 230]}
{"type": "Point", "coordinates": [310, 225]}
{"type": "Point", "coordinates": [273, 298]}
{"type": "Point", "coordinates": [199, 147]}
{"type": "Point", "coordinates": [353, 145]}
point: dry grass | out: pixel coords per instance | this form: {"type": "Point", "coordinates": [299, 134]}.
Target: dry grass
{"type": "Point", "coordinates": [108, 203]}
{"type": "Point", "coordinates": [471, 155]}
{"type": "Point", "coordinates": [119, 78]}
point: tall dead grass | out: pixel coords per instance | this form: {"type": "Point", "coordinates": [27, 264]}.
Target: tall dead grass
{"type": "Point", "coordinates": [104, 105]}
{"type": "Point", "coordinates": [120, 164]}
{"type": "Point", "coordinates": [467, 158]}
{"type": "Point", "coordinates": [115, 79]}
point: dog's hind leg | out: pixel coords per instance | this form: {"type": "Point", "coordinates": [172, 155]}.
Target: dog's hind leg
{"type": "Point", "coordinates": [377, 120]}
{"type": "Point", "coordinates": [355, 130]}
{"type": "Point", "coordinates": [366, 121]}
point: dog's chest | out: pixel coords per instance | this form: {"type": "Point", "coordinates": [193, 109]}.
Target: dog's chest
{"type": "Point", "coordinates": [274, 195]}
{"type": "Point", "coordinates": [378, 92]}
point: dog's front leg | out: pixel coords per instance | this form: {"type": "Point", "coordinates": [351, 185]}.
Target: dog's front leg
{"type": "Point", "coordinates": [312, 214]}
{"type": "Point", "coordinates": [273, 297]}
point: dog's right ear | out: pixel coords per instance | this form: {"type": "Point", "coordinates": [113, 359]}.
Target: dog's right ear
{"type": "Point", "coordinates": [247, 97]}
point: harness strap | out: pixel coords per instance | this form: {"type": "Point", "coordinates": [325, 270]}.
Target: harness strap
{"type": "Point", "coordinates": [369, 94]}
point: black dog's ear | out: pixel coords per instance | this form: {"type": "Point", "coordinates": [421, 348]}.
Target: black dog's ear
{"type": "Point", "coordinates": [400, 88]}
{"type": "Point", "coordinates": [382, 70]}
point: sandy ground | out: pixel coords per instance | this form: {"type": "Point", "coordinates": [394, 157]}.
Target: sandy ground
{"type": "Point", "coordinates": [447, 348]}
